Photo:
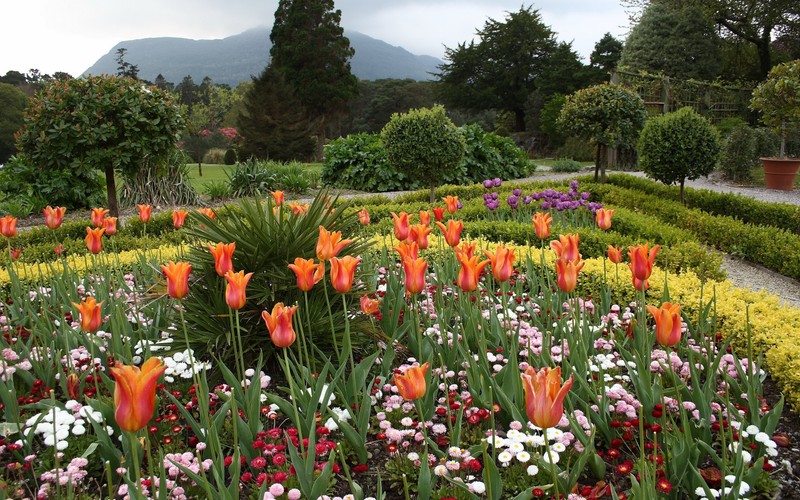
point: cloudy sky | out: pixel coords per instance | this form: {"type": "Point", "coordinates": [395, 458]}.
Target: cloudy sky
{"type": "Point", "coordinates": [70, 35]}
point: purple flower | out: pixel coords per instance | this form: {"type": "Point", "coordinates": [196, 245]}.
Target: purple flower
{"type": "Point", "coordinates": [488, 183]}
{"type": "Point", "coordinates": [526, 200]}
{"type": "Point", "coordinates": [517, 192]}
{"type": "Point", "coordinates": [585, 195]}
{"type": "Point", "coordinates": [574, 185]}
{"type": "Point", "coordinates": [512, 201]}
{"type": "Point", "coordinates": [497, 182]}
{"type": "Point", "coordinates": [545, 206]}
{"type": "Point", "coordinates": [495, 196]}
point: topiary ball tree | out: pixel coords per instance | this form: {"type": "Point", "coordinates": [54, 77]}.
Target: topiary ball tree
{"type": "Point", "coordinates": [679, 146]}
{"type": "Point", "coordinates": [607, 115]}
{"type": "Point", "coordinates": [100, 122]}
{"type": "Point", "coordinates": [424, 144]}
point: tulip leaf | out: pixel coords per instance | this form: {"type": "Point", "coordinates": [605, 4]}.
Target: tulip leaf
{"type": "Point", "coordinates": [424, 480]}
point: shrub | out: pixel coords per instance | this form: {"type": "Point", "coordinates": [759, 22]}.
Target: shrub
{"type": "Point", "coordinates": [679, 146]}
{"type": "Point", "coordinates": [215, 156]}
{"type": "Point", "coordinates": [250, 178]}
{"type": "Point", "coordinates": [291, 177]}
{"type": "Point", "coordinates": [160, 182]}
{"type": "Point", "coordinates": [739, 155]}
{"type": "Point", "coordinates": [488, 155]}
{"type": "Point", "coordinates": [566, 165]}
{"type": "Point", "coordinates": [424, 144]}
{"type": "Point", "coordinates": [230, 156]}
{"type": "Point", "coordinates": [577, 149]}
{"type": "Point", "coordinates": [80, 187]}
{"type": "Point", "coordinates": [359, 161]}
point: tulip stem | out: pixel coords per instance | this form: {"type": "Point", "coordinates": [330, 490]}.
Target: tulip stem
{"type": "Point", "coordinates": [330, 317]}
{"type": "Point", "coordinates": [150, 467]}
{"type": "Point", "coordinates": [551, 463]}
{"type": "Point", "coordinates": [134, 444]}
{"type": "Point", "coordinates": [290, 380]}
{"type": "Point", "coordinates": [238, 339]}
{"type": "Point", "coordinates": [348, 344]}
{"type": "Point", "coordinates": [310, 331]}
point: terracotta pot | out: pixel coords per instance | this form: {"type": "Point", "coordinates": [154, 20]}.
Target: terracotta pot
{"type": "Point", "coordinates": [779, 173]}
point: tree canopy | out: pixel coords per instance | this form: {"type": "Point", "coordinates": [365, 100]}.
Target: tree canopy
{"type": "Point", "coordinates": [12, 104]}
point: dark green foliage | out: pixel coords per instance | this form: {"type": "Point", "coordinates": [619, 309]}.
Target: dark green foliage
{"type": "Point", "coordinates": [79, 187]}
{"type": "Point", "coordinates": [679, 42]}
{"type": "Point", "coordinates": [312, 54]}
{"type": "Point", "coordinates": [566, 165]}
{"type": "Point", "coordinates": [503, 68]}
{"type": "Point", "coordinates": [678, 146]}
{"type": "Point", "coordinates": [739, 154]}
{"type": "Point", "coordinates": [99, 122]}
{"type": "Point", "coordinates": [230, 156]}
{"type": "Point", "coordinates": [274, 124]}
{"type": "Point", "coordinates": [266, 242]}
{"type": "Point", "coordinates": [424, 144]}
{"type": "Point", "coordinates": [160, 183]}
{"type": "Point", "coordinates": [12, 104]}
{"type": "Point", "coordinates": [548, 120]}
{"type": "Point", "coordinates": [778, 100]}
{"type": "Point", "coordinates": [217, 190]}
{"type": "Point", "coordinates": [489, 155]}
{"type": "Point", "coordinates": [576, 148]}
{"type": "Point", "coordinates": [291, 177]}
{"type": "Point", "coordinates": [606, 53]}
{"type": "Point", "coordinates": [250, 178]}
{"type": "Point", "coordinates": [378, 100]}
{"type": "Point", "coordinates": [359, 161]}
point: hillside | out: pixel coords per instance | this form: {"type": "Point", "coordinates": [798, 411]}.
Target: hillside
{"type": "Point", "coordinates": [235, 58]}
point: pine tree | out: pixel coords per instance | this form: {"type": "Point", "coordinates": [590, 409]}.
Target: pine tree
{"type": "Point", "coordinates": [274, 123]}
{"type": "Point", "coordinates": [312, 54]}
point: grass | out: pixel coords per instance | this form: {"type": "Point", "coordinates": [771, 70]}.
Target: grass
{"type": "Point", "coordinates": [217, 173]}
{"type": "Point", "coordinates": [548, 162]}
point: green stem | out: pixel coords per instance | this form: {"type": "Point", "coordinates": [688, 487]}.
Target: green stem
{"type": "Point", "coordinates": [290, 380]}
{"type": "Point", "coordinates": [241, 348]}
{"type": "Point", "coordinates": [553, 469]}
{"type": "Point", "coordinates": [310, 330]}
{"type": "Point", "coordinates": [330, 317]}
{"type": "Point", "coordinates": [134, 443]}
{"type": "Point", "coordinates": [348, 343]}
{"type": "Point", "coordinates": [150, 467]}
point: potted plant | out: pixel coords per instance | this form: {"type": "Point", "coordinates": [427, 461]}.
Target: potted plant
{"type": "Point", "coordinates": [778, 98]}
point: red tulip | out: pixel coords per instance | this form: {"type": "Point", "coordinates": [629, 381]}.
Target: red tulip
{"type": "Point", "coordinates": [407, 250]}
{"type": "Point", "coordinates": [308, 273]}
{"type": "Point", "coordinates": [343, 272]}
{"type": "Point", "coordinates": [438, 213]}
{"type": "Point", "coordinates": [235, 294]}
{"type": "Point", "coordinates": [177, 274]}
{"type": "Point", "coordinates": [135, 393]}
{"type": "Point", "coordinates": [110, 225]}
{"type": "Point", "coordinates": [668, 323]}
{"type": "Point", "coordinates": [566, 247]}
{"type": "Point", "coordinates": [208, 212]}
{"type": "Point", "coordinates": [642, 261]}
{"type": "Point", "coordinates": [415, 270]}
{"type": "Point", "coordinates": [412, 385]}
{"type": "Point", "coordinates": [544, 396]}
{"type": "Point", "coordinates": [418, 233]}
{"type": "Point", "coordinates": [73, 386]}
{"type": "Point", "coordinates": [223, 257]}
{"type": "Point", "coordinates": [425, 218]}
{"type": "Point", "coordinates": [567, 274]}
{"type": "Point", "coordinates": [94, 239]}
{"type": "Point", "coordinates": [144, 213]}
{"type": "Point", "coordinates": [91, 314]}
{"type": "Point", "coordinates": [16, 253]}
{"type": "Point", "coordinates": [502, 263]}
{"type": "Point", "coordinates": [603, 218]}
{"type": "Point", "coordinates": [59, 249]}
{"type": "Point", "coordinates": [329, 244]}
{"type": "Point", "coordinates": [369, 306]}
{"type": "Point", "coordinates": [614, 254]}
{"type": "Point", "coordinates": [541, 223]}
{"type": "Point", "coordinates": [179, 218]}
{"type": "Point", "coordinates": [452, 233]}
{"type": "Point", "coordinates": [98, 215]}
{"type": "Point", "coordinates": [401, 223]}
{"type": "Point", "coordinates": [8, 226]}
{"type": "Point", "coordinates": [279, 324]}
{"type": "Point", "coordinates": [53, 217]}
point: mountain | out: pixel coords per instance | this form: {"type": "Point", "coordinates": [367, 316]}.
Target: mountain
{"type": "Point", "coordinates": [234, 59]}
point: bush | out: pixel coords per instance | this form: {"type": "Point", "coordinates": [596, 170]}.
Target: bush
{"type": "Point", "coordinates": [678, 146]}
{"type": "Point", "coordinates": [160, 183]}
{"type": "Point", "coordinates": [488, 155]}
{"type": "Point", "coordinates": [230, 156]}
{"type": "Point", "coordinates": [291, 177]}
{"type": "Point", "coordinates": [566, 165]}
{"type": "Point", "coordinates": [217, 190]}
{"type": "Point", "coordinates": [80, 187]}
{"type": "Point", "coordinates": [214, 156]}
{"type": "Point", "coordinates": [577, 149]}
{"type": "Point", "coordinates": [739, 155]}
{"type": "Point", "coordinates": [250, 178]}
{"type": "Point", "coordinates": [424, 144]}
{"type": "Point", "coordinates": [359, 161]}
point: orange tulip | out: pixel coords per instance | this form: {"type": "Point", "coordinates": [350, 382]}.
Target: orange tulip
{"type": "Point", "coordinates": [279, 324]}
{"type": "Point", "coordinates": [73, 386]}
{"type": "Point", "coordinates": [328, 244]}
{"type": "Point", "coordinates": [145, 211]}
{"type": "Point", "coordinates": [603, 218]}
{"type": "Point", "coordinates": [91, 314]}
{"type": "Point", "coordinates": [466, 248]}
{"type": "Point", "coordinates": [412, 384]}
{"type": "Point", "coordinates": [308, 273]}
{"type": "Point", "coordinates": [566, 247]}
{"type": "Point", "coordinates": [135, 393]}
{"type": "Point", "coordinates": [418, 233]}
{"type": "Point", "coordinates": [668, 323]}
{"type": "Point", "coordinates": [425, 218]}
{"type": "Point", "coordinates": [451, 202]}
{"type": "Point", "coordinates": [53, 217]}
{"type": "Point", "coordinates": [298, 208]}
{"type": "Point", "coordinates": [502, 263]}
{"type": "Point", "coordinates": [208, 212]}
{"type": "Point", "coordinates": [223, 257]}
{"type": "Point", "coordinates": [179, 218]}
{"type": "Point", "coordinates": [470, 271]}
{"type": "Point", "coordinates": [641, 261]}
{"type": "Point", "coordinates": [343, 272]}
{"type": "Point", "coordinates": [98, 215]}
{"type": "Point", "coordinates": [641, 285]}
{"type": "Point", "coordinates": [452, 233]}
{"type": "Point", "coordinates": [59, 249]}
{"type": "Point", "coordinates": [407, 250]}
{"type": "Point", "coordinates": [415, 275]}
{"type": "Point", "coordinates": [567, 274]}
{"type": "Point", "coordinates": [16, 253]}
{"type": "Point", "coordinates": [94, 239]}
{"type": "Point", "coordinates": [541, 223]}
{"type": "Point", "coordinates": [614, 254]}
{"type": "Point", "coordinates": [278, 197]}
{"type": "Point", "coordinates": [363, 217]}
{"type": "Point", "coordinates": [235, 294]}
{"type": "Point", "coordinates": [110, 225]}
{"type": "Point", "coordinates": [544, 396]}
{"type": "Point", "coordinates": [8, 226]}
{"type": "Point", "coordinates": [177, 274]}
{"type": "Point", "coordinates": [401, 228]}
{"type": "Point", "coordinates": [438, 213]}
{"type": "Point", "coordinates": [369, 306]}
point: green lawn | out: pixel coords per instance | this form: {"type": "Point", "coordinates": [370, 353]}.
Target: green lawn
{"type": "Point", "coordinates": [548, 162]}
{"type": "Point", "coordinates": [216, 173]}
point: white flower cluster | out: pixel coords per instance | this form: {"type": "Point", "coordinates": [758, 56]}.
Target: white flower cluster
{"type": "Point", "coordinates": [726, 491]}
{"type": "Point", "coordinates": [179, 364]}
{"type": "Point", "coordinates": [512, 447]}
{"type": "Point", "coordinates": [56, 425]}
